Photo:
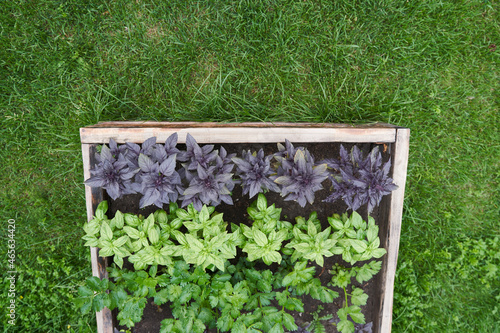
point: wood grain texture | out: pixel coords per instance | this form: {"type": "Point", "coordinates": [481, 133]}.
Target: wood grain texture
{"type": "Point", "coordinates": [400, 164]}
{"type": "Point", "coordinates": [239, 134]}
{"type": "Point", "coordinates": [192, 124]}
{"type": "Point", "coordinates": [93, 196]}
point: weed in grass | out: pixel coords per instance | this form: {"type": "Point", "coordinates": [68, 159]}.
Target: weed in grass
{"type": "Point", "coordinates": [433, 291]}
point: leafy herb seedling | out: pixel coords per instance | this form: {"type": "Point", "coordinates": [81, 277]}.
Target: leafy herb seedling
{"type": "Point", "coordinates": [112, 173]}
{"type": "Point", "coordinates": [298, 175]}
{"type": "Point", "coordinates": [254, 170]}
{"type": "Point", "coordinates": [212, 182]}
{"type": "Point", "coordinates": [359, 181]}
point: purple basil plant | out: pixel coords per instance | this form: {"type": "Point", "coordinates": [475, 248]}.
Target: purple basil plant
{"type": "Point", "coordinates": [358, 180]}
{"type": "Point", "coordinates": [212, 182]}
{"type": "Point", "coordinates": [112, 172]}
{"type": "Point", "coordinates": [254, 170]}
{"type": "Point", "coordinates": [132, 151]}
{"type": "Point", "coordinates": [297, 174]}
{"type": "Point", "coordinates": [148, 169]}
{"type": "Point", "coordinates": [158, 181]}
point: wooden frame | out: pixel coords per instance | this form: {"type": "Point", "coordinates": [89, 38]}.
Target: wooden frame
{"type": "Point", "coordinates": [138, 132]}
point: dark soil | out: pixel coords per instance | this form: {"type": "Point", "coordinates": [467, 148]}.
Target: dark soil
{"type": "Point", "coordinates": [237, 213]}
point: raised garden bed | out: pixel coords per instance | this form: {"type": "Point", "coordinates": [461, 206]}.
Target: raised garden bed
{"type": "Point", "coordinates": [323, 141]}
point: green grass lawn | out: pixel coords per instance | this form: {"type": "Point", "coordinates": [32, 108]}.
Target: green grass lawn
{"type": "Point", "coordinates": [431, 66]}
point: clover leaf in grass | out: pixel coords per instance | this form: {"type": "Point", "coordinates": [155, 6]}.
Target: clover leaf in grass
{"type": "Point", "coordinates": [254, 170]}
{"type": "Point", "coordinates": [302, 178]}
{"type": "Point", "coordinates": [112, 173]}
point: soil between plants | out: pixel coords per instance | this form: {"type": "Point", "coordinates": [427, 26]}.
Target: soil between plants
{"type": "Point", "coordinates": [237, 213]}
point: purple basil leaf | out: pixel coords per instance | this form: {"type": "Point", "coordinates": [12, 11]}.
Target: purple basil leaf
{"type": "Point", "coordinates": [170, 144]}
{"type": "Point", "coordinates": [300, 176]}
{"type": "Point", "coordinates": [363, 180]}
{"type": "Point", "coordinates": [112, 174]}
{"type": "Point", "coordinates": [255, 171]}
{"type": "Point", "coordinates": [159, 183]}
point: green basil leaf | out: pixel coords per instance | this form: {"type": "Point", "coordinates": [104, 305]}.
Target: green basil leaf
{"type": "Point", "coordinates": [101, 210]}
{"type": "Point", "coordinates": [261, 202]}
{"type": "Point", "coordinates": [131, 219]}
{"type": "Point", "coordinates": [106, 252]}
{"type": "Point", "coordinates": [204, 215]}
{"type": "Point", "coordinates": [358, 245]}
{"type": "Point", "coordinates": [119, 220]}
{"type": "Point", "coordinates": [132, 232]}
{"type": "Point", "coordinates": [161, 217]}
{"type": "Point", "coordinates": [182, 214]}
{"type": "Point", "coordinates": [194, 243]}
{"type": "Point", "coordinates": [259, 237]}
{"type": "Point", "coordinates": [106, 232]}
{"type": "Point", "coordinates": [335, 223]}
{"type": "Point", "coordinates": [93, 227]}
{"type": "Point", "coordinates": [375, 244]}
{"type": "Point", "coordinates": [153, 235]}
{"type": "Point", "coordinates": [148, 223]}
{"type": "Point", "coordinates": [372, 233]}
{"type": "Point", "coordinates": [356, 220]}
{"type": "Point", "coordinates": [120, 241]}
{"type": "Point", "coordinates": [311, 229]}
{"type": "Point", "coordinates": [118, 261]}
{"type": "Point", "coordinates": [271, 257]}
{"type": "Point", "coordinates": [377, 253]}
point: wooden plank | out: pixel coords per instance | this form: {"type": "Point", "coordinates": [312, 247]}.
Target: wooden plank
{"type": "Point", "coordinates": [192, 124]}
{"type": "Point", "coordinates": [93, 197]}
{"type": "Point", "coordinates": [239, 134]}
{"type": "Point", "coordinates": [400, 164]}
{"type": "Point", "coordinates": [86, 175]}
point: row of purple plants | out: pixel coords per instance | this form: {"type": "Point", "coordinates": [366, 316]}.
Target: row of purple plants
{"type": "Point", "coordinates": [202, 175]}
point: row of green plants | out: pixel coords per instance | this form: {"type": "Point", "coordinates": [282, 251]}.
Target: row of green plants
{"type": "Point", "coordinates": [190, 259]}
{"type": "Point", "coordinates": [248, 276]}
